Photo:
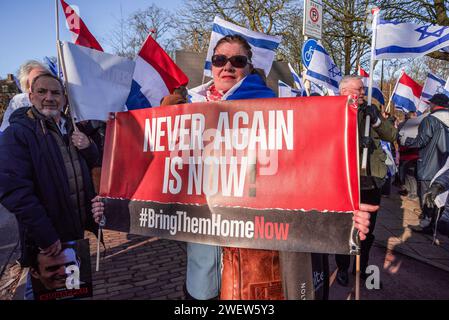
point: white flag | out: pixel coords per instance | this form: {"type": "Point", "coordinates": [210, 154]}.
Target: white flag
{"type": "Point", "coordinates": [98, 82]}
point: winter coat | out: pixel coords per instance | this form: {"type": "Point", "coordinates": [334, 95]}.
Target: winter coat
{"type": "Point", "coordinates": [203, 278]}
{"type": "Point", "coordinates": [34, 184]}
{"type": "Point", "coordinates": [433, 143]}
{"type": "Point", "coordinates": [376, 167]}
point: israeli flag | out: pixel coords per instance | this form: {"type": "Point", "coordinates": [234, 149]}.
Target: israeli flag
{"type": "Point", "coordinates": [397, 40]}
{"type": "Point", "coordinates": [296, 78]}
{"type": "Point", "coordinates": [446, 88]}
{"type": "Point", "coordinates": [52, 66]}
{"type": "Point", "coordinates": [263, 46]}
{"type": "Point", "coordinates": [432, 85]}
{"type": "Point", "coordinates": [285, 91]}
{"type": "Point", "coordinates": [323, 71]}
{"type": "Point", "coordinates": [316, 89]}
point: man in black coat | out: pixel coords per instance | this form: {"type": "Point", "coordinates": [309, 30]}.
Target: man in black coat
{"type": "Point", "coordinates": [44, 172]}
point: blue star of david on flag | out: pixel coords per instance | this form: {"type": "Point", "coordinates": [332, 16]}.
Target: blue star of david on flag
{"type": "Point", "coordinates": [425, 33]}
{"type": "Point", "coordinates": [322, 70]}
{"type": "Point", "coordinates": [334, 71]}
{"type": "Point", "coordinates": [408, 40]}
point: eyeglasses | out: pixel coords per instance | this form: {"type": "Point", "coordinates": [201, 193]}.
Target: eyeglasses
{"type": "Point", "coordinates": [220, 60]}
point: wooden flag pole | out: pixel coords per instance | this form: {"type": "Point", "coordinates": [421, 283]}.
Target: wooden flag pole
{"type": "Point", "coordinates": [357, 277]}
{"type": "Point", "coordinates": [100, 228]}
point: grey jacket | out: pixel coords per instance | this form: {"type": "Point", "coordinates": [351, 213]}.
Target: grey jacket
{"type": "Point", "coordinates": [433, 143]}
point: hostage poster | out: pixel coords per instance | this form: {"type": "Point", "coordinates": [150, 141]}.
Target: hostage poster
{"type": "Point", "coordinates": [275, 173]}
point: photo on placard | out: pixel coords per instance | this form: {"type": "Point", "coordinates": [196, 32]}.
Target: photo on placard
{"type": "Point", "coordinates": [65, 276]}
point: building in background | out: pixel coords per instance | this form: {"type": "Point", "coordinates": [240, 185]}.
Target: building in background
{"type": "Point", "coordinates": [8, 89]}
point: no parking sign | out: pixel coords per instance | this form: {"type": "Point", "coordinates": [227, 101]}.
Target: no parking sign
{"type": "Point", "coordinates": [313, 18]}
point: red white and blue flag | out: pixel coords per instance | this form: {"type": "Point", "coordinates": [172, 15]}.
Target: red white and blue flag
{"type": "Point", "coordinates": [81, 33]}
{"type": "Point", "coordinates": [407, 93]}
{"type": "Point", "coordinates": [377, 94]}
{"type": "Point", "coordinates": [155, 76]}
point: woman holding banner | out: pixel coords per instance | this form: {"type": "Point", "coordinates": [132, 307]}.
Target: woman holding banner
{"type": "Point", "coordinates": [234, 78]}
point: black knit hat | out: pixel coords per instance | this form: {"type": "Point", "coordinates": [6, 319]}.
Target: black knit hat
{"type": "Point", "coordinates": [440, 100]}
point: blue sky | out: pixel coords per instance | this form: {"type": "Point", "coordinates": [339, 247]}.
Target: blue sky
{"type": "Point", "coordinates": [27, 27]}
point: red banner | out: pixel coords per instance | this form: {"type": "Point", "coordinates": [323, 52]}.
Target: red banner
{"type": "Point", "coordinates": [270, 166]}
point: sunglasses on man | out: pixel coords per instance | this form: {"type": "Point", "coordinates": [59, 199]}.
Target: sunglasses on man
{"type": "Point", "coordinates": [220, 60]}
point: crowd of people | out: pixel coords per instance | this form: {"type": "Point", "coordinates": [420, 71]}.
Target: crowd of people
{"type": "Point", "coordinates": [49, 174]}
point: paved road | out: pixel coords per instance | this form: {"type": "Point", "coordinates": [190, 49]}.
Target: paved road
{"type": "Point", "coordinates": [138, 267]}
{"type": "Point", "coordinates": [402, 278]}
{"type": "Point", "coordinates": [147, 268]}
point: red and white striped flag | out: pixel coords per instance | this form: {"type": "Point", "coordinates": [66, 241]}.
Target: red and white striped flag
{"type": "Point", "coordinates": [81, 33]}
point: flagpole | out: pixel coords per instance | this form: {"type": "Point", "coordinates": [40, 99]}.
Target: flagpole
{"type": "Point", "coordinates": [64, 73]}
{"type": "Point", "coordinates": [370, 87]}
{"type": "Point", "coordinates": [57, 37]}
{"type": "Point", "coordinates": [387, 109]}
{"type": "Point", "coordinates": [366, 133]}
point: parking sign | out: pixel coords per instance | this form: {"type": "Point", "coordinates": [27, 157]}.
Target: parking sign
{"type": "Point", "coordinates": [313, 18]}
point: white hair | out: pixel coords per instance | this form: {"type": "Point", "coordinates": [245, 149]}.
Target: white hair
{"type": "Point", "coordinates": [24, 72]}
{"type": "Point", "coordinates": [346, 79]}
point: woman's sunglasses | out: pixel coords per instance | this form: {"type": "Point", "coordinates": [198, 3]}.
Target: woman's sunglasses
{"type": "Point", "coordinates": [220, 60]}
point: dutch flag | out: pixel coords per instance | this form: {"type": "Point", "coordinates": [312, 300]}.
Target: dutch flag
{"type": "Point", "coordinates": [155, 76]}
{"type": "Point", "coordinates": [406, 94]}
{"type": "Point", "coordinates": [263, 46]}
{"type": "Point", "coordinates": [377, 94]}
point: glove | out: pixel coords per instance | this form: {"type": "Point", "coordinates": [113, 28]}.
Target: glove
{"type": "Point", "coordinates": [373, 113]}
{"type": "Point", "coordinates": [179, 96]}
{"type": "Point", "coordinates": [429, 197]}
{"type": "Point", "coordinates": [366, 142]}
{"type": "Point", "coordinates": [173, 99]}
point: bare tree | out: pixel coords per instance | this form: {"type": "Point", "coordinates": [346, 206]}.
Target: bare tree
{"type": "Point", "coordinates": [345, 32]}
{"type": "Point", "coordinates": [273, 17]}
{"type": "Point", "coordinates": [129, 34]}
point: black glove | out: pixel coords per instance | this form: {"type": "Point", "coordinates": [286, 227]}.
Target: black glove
{"type": "Point", "coordinates": [429, 197]}
{"type": "Point", "coordinates": [372, 112]}
{"type": "Point", "coordinates": [367, 142]}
